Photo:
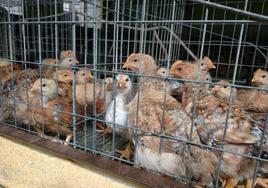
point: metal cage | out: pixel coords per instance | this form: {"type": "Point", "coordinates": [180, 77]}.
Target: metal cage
{"type": "Point", "coordinates": [102, 34]}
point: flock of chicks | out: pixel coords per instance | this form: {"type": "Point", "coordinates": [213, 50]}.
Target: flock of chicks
{"type": "Point", "coordinates": [160, 107]}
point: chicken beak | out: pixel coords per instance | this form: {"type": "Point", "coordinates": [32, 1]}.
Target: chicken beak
{"type": "Point", "coordinates": [129, 65]}
{"type": "Point", "coordinates": [215, 89]}
{"type": "Point", "coordinates": [121, 85]}
{"type": "Point", "coordinates": [253, 80]}
{"type": "Point", "coordinates": [212, 67]}
{"type": "Point", "coordinates": [172, 73]}
{"type": "Point", "coordinates": [91, 76]}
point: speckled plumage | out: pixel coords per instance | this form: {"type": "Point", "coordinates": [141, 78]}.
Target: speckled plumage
{"type": "Point", "coordinates": [242, 133]}
{"type": "Point", "coordinates": [176, 158]}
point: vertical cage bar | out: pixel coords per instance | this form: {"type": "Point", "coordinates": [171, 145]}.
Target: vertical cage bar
{"type": "Point", "coordinates": [74, 80]}
{"type": "Point", "coordinates": [230, 98]}
{"type": "Point", "coordinates": [11, 59]}
{"type": "Point", "coordinates": [95, 54]}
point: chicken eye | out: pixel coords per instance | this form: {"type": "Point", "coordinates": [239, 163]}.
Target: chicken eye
{"type": "Point", "coordinates": [179, 69]}
{"type": "Point", "coordinates": [202, 64]}
{"type": "Point", "coordinates": [70, 60]}
{"type": "Point", "coordinates": [224, 87]}
{"type": "Point", "coordinates": [65, 75]}
{"type": "Point", "coordinates": [127, 80]}
{"type": "Point", "coordinates": [163, 72]}
{"type": "Point", "coordinates": [44, 85]}
{"type": "Point", "coordinates": [207, 79]}
{"type": "Point", "coordinates": [135, 60]}
{"type": "Point", "coordinates": [83, 74]}
{"type": "Point", "coordinates": [263, 76]}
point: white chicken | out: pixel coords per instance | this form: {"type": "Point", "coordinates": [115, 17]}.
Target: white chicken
{"type": "Point", "coordinates": [117, 113]}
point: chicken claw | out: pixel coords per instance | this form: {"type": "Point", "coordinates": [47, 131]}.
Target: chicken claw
{"type": "Point", "coordinates": [126, 153]}
{"type": "Point", "coordinates": [103, 130]}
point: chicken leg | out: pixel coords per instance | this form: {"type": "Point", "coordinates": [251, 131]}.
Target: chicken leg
{"type": "Point", "coordinates": [68, 139]}
{"type": "Point", "coordinates": [104, 130]}
{"type": "Point", "coordinates": [126, 153]}
{"type": "Point", "coordinates": [263, 182]}
{"type": "Point", "coordinates": [231, 183]}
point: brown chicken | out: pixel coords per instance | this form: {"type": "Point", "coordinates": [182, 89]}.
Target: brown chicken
{"type": "Point", "coordinates": [250, 101]}
{"type": "Point", "coordinates": [68, 61]}
{"type": "Point", "coordinates": [17, 90]}
{"type": "Point", "coordinates": [49, 65]}
{"type": "Point", "coordinates": [85, 96]}
{"type": "Point", "coordinates": [260, 79]}
{"type": "Point", "coordinates": [241, 133]}
{"type": "Point", "coordinates": [189, 71]}
{"type": "Point", "coordinates": [66, 53]}
{"type": "Point", "coordinates": [25, 104]}
{"type": "Point", "coordinates": [174, 87]}
{"type": "Point", "coordinates": [84, 76]}
{"type": "Point", "coordinates": [205, 64]}
{"type": "Point", "coordinates": [55, 117]}
{"type": "Point", "coordinates": [6, 72]}
{"type": "Point", "coordinates": [176, 157]}
{"type": "Point", "coordinates": [108, 91]}
{"type": "Point", "coordinates": [63, 79]}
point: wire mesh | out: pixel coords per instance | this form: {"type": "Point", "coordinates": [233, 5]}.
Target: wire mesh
{"type": "Point", "coordinates": [101, 35]}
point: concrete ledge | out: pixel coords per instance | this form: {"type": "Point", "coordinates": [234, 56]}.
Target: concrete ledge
{"type": "Point", "coordinates": [32, 161]}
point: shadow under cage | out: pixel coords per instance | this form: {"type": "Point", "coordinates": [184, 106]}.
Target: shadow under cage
{"type": "Point", "coordinates": [174, 87]}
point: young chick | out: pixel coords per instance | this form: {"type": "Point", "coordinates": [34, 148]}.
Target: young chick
{"type": "Point", "coordinates": [66, 53]}
{"type": "Point", "coordinates": [108, 91]}
{"type": "Point", "coordinates": [155, 111]}
{"type": "Point", "coordinates": [48, 91]}
{"type": "Point", "coordinates": [68, 61]}
{"type": "Point", "coordinates": [6, 72]}
{"type": "Point", "coordinates": [260, 79]}
{"type": "Point", "coordinates": [189, 71]}
{"type": "Point", "coordinates": [242, 133]}
{"type": "Point", "coordinates": [49, 66]}
{"type": "Point", "coordinates": [118, 108]}
{"type": "Point", "coordinates": [64, 80]}
{"type": "Point", "coordinates": [250, 101]}
{"type": "Point", "coordinates": [84, 76]}
{"type": "Point", "coordinates": [85, 96]}
{"type": "Point", "coordinates": [205, 64]}
{"type": "Point", "coordinates": [174, 87]}
{"type": "Point", "coordinates": [35, 99]}
{"type": "Point", "coordinates": [56, 118]}
{"type": "Point", "coordinates": [65, 76]}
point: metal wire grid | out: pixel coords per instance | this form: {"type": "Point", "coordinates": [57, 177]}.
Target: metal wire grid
{"type": "Point", "coordinates": [168, 30]}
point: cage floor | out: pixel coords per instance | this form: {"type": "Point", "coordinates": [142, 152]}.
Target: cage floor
{"type": "Point", "coordinates": [103, 143]}
{"type": "Point", "coordinates": [85, 138]}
